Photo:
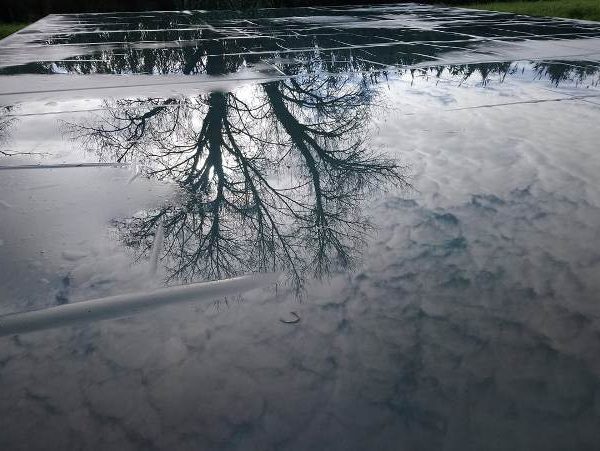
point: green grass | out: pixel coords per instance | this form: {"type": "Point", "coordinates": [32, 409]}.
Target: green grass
{"type": "Point", "coordinates": [10, 28]}
{"type": "Point", "coordinates": [571, 9]}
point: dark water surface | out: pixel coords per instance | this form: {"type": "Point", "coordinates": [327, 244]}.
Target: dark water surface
{"type": "Point", "coordinates": [425, 179]}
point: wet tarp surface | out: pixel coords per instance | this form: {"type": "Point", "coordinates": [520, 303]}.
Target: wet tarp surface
{"type": "Point", "coordinates": [424, 179]}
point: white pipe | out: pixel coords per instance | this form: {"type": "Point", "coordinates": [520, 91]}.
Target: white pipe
{"type": "Point", "coordinates": [128, 304]}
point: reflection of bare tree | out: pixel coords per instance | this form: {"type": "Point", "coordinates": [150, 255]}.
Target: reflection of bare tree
{"type": "Point", "coordinates": [324, 124]}
{"type": "Point", "coordinates": [271, 179]}
{"type": "Point", "coordinates": [8, 119]}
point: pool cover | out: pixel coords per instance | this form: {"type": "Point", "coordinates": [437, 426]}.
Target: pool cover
{"type": "Point", "coordinates": [423, 181]}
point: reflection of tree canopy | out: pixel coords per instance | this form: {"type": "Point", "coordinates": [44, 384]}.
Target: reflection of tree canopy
{"type": "Point", "coordinates": [176, 57]}
{"type": "Point", "coordinates": [556, 72]}
{"type": "Point", "coordinates": [575, 71]}
{"type": "Point", "coordinates": [184, 42]}
{"type": "Point", "coordinates": [271, 179]}
{"type": "Point", "coordinates": [484, 71]}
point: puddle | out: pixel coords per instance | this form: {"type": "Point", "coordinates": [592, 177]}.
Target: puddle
{"type": "Point", "coordinates": [426, 180]}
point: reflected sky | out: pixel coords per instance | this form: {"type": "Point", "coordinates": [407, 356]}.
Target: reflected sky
{"type": "Point", "coordinates": [425, 178]}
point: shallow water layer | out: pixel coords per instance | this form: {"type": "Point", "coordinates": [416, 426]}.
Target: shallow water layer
{"type": "Point", "coordinates": [425, 179]}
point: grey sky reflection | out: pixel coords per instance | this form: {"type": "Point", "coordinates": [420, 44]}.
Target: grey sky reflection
{"type": "Point", "coordinates": [470, 319]}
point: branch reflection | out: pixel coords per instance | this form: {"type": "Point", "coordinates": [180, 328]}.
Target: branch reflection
{"type": "Point", "coordinates": [273, 178]}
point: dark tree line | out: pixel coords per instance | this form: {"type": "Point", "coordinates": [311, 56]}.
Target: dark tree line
{"type": "Point", "coordinates": [34, 9]}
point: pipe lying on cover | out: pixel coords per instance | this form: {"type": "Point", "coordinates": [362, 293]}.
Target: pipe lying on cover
{"type": "Point", "coordinates": [128, 304]}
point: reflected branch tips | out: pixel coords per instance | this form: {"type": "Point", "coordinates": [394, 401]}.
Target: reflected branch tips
{"type": "Point", "coordinates": [269, 180]}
